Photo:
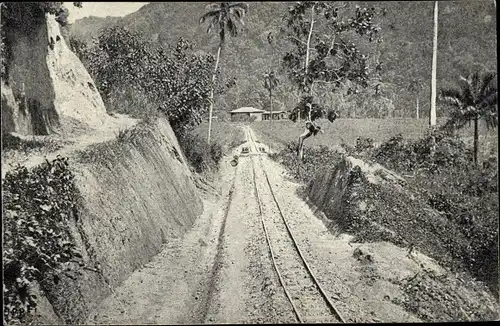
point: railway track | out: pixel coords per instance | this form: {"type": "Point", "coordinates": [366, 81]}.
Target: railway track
{"type": "Point", "coordinates": [309, 301]}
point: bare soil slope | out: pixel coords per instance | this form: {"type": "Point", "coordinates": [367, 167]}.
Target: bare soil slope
{"type": "Point", "coordinates": [136, 194]}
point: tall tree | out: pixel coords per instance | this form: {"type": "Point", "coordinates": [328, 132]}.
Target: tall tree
{"type": "Point", "coordinates": [225, 18]}
{"type": "Point", "coordinates": [320, 35]}
{"type": "Point", "coordinates": [270, 83]}
{"type": "Point", "coordinates": [327, 58]}
{"type": "Point", "coordinates": [477, 99]}
{"type": "Point", "coordinates": [432, 116]}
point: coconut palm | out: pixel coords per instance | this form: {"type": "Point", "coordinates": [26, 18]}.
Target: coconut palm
{"type": "Point", "coordinates": [270, 83]}
{"type": "Point", "coordinates": [476, 100]}
{"type": "Point", "coordinates": [224, 17]}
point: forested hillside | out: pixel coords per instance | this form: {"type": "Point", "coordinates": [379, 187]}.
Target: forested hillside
{"type": "Point", "coordinates": [467, 38]}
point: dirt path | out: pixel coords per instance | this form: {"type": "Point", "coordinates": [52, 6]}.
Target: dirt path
{"type": "Point", "coordinates": [174, 287]}
{"type": "Point", "coordinates": [108, 131]}
{"type": "Point", "coordinates": [222, 270]}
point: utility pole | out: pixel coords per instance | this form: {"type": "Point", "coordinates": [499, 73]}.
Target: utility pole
{"type": "Point", "coordinates": [432, 116]}
{"type": "Point", "coordinates": [212, 95]}
{"type": "Point", "coordinates": [418, 117]}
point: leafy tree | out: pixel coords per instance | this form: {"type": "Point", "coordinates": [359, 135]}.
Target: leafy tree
{"type": "Point", "coordinates": [175, 80]}
{"type": "Point", "coordinates": [328, 58]}
{"type": "Point", "coordinates": [271, 83]}
{"type": "Point", "coordinates": [321, 52]}
{"type": "Point", "coordinates": [476, 100]}
{"type": "Point", "coordinates": [306, 111]}
{"type": "Point", "coordinates": [225, 18]}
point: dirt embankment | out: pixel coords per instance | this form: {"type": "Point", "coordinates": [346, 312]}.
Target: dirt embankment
{"type": "Point", "coordinates": [137, 194]}
{"type": "Point", "coordinates": [374, 204]}
{"type": "Point", "coordinates": [136, 190]}
{"type": "Point", "coordinates": [47, 84]}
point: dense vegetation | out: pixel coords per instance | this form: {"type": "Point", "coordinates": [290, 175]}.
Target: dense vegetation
{"type": "Point", "coordinates": [38, 206]}
{"type": "Point", "coordinates": [458, 189]}
{"type": "Point", "coordinates": [139, 78]}
{"type": "Point", "coordinates": [444, 176]}
{"type": "Point", "coordinates": [405, 53]}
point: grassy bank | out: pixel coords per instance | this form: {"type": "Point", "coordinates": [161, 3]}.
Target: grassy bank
{"type": "Point", "coordinates": [279, 133]}
{"type": "Point", "coordinates": [461, 193]}
{"type": "Point", "coordinates": [203, 156]}
{"type": "Point", "coordinates": [227, 134]}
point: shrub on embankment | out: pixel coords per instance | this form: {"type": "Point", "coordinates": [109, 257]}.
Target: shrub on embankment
{"type": "Point", "coordinates": [200, 154]}
{"type": "Point", "coordinates": [203, 156]}
{"type": "Point", "coordinates": [130, 196]}
{"type": "Point", "coordinates": [460, 191]}
{"type": "Point", "coordinates": [37, 208]}
{"type": "Point", "coordinates": [316, 159]}
{"type": "Point", "coordinates": [138, 77]}
{"type": "Point", "coordinates": [228, 134]}
{"type": "Point", "coordinates": [447, 206]}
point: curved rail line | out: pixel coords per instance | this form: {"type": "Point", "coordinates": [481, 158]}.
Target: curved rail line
{"type": "Point", "coordinates": [327, 300]}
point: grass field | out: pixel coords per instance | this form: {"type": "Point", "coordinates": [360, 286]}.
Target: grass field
{"type": "Point", "coordinates": [227, 134]}
{"type": "Point", "coordinates": [278, 133]}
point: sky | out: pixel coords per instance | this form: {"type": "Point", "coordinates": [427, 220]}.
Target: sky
{"type": "Point", "coordinates": [102, 9]}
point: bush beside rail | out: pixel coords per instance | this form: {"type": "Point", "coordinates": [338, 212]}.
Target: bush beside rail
{"type": "Point", "coordinates": [447, 181]}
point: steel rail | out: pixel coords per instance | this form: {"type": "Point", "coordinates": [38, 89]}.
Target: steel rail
{"type": "Point", "coordinates": [295, 310]}
{"type": "Point", "coordinates": [308, 268]}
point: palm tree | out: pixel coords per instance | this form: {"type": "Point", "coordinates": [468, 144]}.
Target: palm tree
{"type": "Point", "coordinates": [270, 83]}
{"type": "Point", "coordinates": [476, 99]}
{"type": "Point", "coordinates": [224, 17]}
{"type": "Point", "coordinates": [432, 116]}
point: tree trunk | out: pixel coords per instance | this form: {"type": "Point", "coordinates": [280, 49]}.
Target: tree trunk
{"type": "Point", "coordinates": [309, 39]}
{"type": "Point", "coordinates": [476, 139]}
{"type": "Point", "coordinates": [308, 50]}
{"type": "Point", "coordinates": [298, 101]}
{"type": "Point", "coordinates": [271, 100]}
{"type": "Point", "coordinates": [432, 116]}
{"type": "Point", "coordinates": [417, 109]}
{"type": "Point", "coordinates": [212, 95]}
{"type": "Point", "coordinates": [311, 95]}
